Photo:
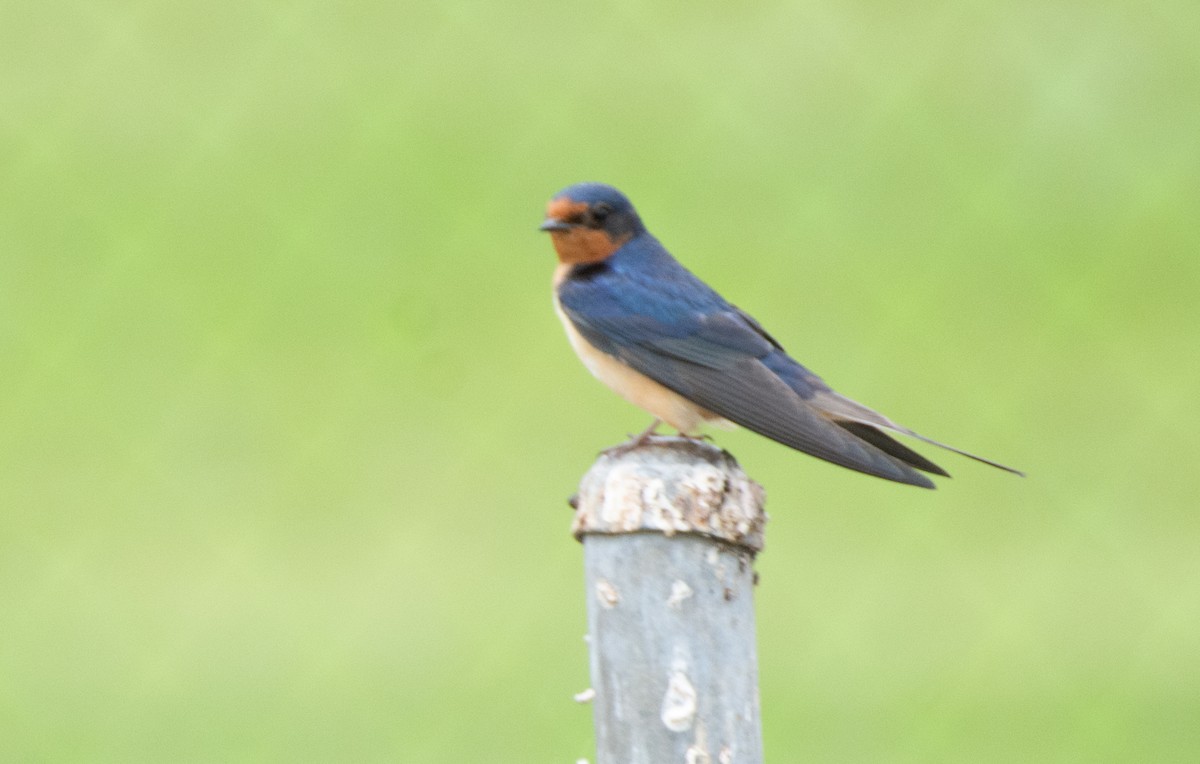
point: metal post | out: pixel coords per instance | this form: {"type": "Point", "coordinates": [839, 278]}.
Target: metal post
{"type": "Point", "coordinates": [669, 533]}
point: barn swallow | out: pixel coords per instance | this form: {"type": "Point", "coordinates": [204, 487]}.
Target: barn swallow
{"type": "Point", "coordinates": [664, 340]}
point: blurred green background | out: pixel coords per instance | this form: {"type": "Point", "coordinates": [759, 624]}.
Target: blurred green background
{"type": "Point", "coordinates": [287, 424]}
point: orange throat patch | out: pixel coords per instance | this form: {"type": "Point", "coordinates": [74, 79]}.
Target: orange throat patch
{"type": "Point", "coordinates": [584, 245]}
{"type": "Point", "coordinates": [578, 244]}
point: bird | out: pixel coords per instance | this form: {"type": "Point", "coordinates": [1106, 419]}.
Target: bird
{"type": "Point", "coordinates": [667, 342]}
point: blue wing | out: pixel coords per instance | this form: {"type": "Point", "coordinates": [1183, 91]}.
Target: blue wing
{"type": "Point", "coordinates": [665, 323]}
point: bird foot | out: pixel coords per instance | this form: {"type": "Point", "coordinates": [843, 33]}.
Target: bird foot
{"type": "Point", "coordinates": [634, 442]}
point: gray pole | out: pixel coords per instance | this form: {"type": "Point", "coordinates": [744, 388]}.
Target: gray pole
{"type": "Point", "coordinates": [669, 532]}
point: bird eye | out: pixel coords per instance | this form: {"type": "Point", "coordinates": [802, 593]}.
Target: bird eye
{"type": "Point", "coordinates": [600, 211]}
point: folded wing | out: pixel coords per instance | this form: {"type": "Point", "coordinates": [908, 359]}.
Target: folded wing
{"type": "Point", "coordinates": [719, 358]}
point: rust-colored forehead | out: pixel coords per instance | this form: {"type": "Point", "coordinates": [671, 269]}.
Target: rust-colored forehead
{"type": "Point", "coordinates": [565, 208]}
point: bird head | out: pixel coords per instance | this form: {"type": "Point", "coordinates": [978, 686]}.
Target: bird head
{"type": "Point", "coordinates": [588, 222]}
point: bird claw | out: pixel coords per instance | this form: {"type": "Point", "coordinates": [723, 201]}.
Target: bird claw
{"type": "Point", "coordinates": [634, 442]}
{"type": "Point", "coordinates": [621, 450]}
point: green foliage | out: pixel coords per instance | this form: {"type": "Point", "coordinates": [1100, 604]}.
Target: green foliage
{"type": "Point", "coordinates": [287, 424]}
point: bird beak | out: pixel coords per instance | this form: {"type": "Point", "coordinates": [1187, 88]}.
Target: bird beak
{"type": "Point", "coordinates": [554, 224]}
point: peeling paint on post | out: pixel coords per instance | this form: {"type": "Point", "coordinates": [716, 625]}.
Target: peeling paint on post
{"type": "Point", "coordinates": [669, 533]}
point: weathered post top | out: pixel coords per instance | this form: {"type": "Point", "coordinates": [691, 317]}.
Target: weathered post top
{"type": "Point", "coordinates": [669, 486]}
{"type": "Point", "coordinates": [669, 530]}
